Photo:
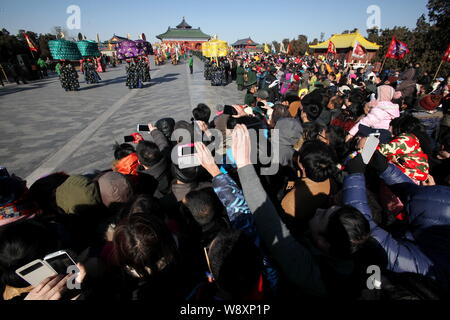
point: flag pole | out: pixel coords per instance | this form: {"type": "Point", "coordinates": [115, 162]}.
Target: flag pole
{"type": "Point", "coordinates": [382, 65]}
{"type": "Point", "coordinates": [439, 68]}
{"type": "Point", "coordinates": [3, 71]}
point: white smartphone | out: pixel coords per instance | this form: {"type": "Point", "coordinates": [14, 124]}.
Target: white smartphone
{"type": "Point", "coordinates": [186, 156]}
{"type": "Point", "coordinates": [35, 272]}
{"type": "Point", "coordinates": [370, 147]}
{"type": "Point", "coordinates": [60, 261]}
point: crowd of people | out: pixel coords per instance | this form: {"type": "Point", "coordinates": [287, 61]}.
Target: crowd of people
{"type": "Point", "coordinates": [138, 72]}
{"type": "Point", "coordinates": [227, 227]}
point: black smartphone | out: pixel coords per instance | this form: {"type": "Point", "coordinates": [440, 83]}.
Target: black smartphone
{"type": "Point", "coordinates": [227, 109]}
{"type": "Point", "coordinates": [142, 127]}
{"type": "Point", "coordinates": [128, 139]}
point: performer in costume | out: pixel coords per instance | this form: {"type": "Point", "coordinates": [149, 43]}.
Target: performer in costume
{"type": "Point", "coordinates": [69, 77]}
{"type": "Point", "coordinates": [90, 73]}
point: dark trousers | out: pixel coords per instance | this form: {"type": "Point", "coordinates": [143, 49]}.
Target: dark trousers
{"type": "Point", "coordinates": [192, 69]}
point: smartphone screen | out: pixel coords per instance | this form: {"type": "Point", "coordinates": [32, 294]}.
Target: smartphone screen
{"type": "Point", "coordinates": [143, 127]}
{"type": "Point", "coordinates": [128, 139]}
{"type": "Point", "coordinates": [61, 262]}
{"type": "Point", "coordinates": [369, 148]}
{"type": "Point", "coordinates": [188, 150]}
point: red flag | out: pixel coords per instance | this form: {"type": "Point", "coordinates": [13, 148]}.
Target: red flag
{"type": "Point", "coordinates": [397, 49]}
{"type": "Point", "coordinates": [358, 51]}
{"type": "Point", "coordinates": [331, 48]}
{"type": "Point", "coordinates": [31, 45]}
{"type": "Point", "coordinates": [446, 56]}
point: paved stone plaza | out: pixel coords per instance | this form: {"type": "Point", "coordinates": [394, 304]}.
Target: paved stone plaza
{"type": "Point", "coordinates": [44, 129]}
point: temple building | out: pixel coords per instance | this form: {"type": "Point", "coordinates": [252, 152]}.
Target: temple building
{"type": "Point", "coordinates": [351, 47]}
{"type": "Point", "coordinates": [245, 44]}
{"type": "Point", "coordinates": [185, 35]}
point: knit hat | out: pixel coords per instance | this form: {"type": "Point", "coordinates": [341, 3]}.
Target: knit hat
{"type": "Point", "coordinates": [77, 193]}
{"type": "Point", "coordinates": [430, 102]}
{"type": "Point", "coordinates": [114, 188]}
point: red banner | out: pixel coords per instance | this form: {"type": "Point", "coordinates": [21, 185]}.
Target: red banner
{"type": "Point", "coordinates": [331, 48]}
{"type": "Point", "coordinates": [397, 49]}
{"type": "Point", "coordinates": [31, 45]}
{"type": "Point", "coordinates": [446, 56]}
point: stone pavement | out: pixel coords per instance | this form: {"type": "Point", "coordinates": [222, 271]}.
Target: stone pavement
{"type": "Point", "coordinates": [44, 129]}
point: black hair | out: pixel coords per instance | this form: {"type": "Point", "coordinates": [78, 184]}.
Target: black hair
{"type": "Point", "coordinates": [202, 113]}
{"type": "Point", "coordinates": [312, 111]}
{"type": "Point", "coordinates": [318, 160]}
{"type": "Point", "coordinates": [312, 130]}
{"type": "Point", "coordinates": [337, 102]}
{"type": "Point", "coordinates": [203, 205]}
{"type": "Point", "coordinates": [148, 153]}
{"type": "Point", "coordinates": [21, 243]}
{"type": "Point", "coordinates": [347, 231]}
{"type": "Point", "coordinates": [336, 140]}
{"type": "Point", "coordinates": [123, 150]}
{"type": "Point", "coordinates": [186, 175]}
{"type": "Point", "coordinates": [143, 241]}
{"type": "Point", "coordinates": [236, 263]}
{"type": "Point", "coordinates": [166, 126]}
{"type": "Point", "coordinates": [279, 111]}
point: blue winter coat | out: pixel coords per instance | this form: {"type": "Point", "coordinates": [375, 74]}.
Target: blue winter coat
{"type": "Point", "coordinates": [425, 248]}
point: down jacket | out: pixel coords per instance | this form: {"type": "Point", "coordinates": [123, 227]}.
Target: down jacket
{"type": "Point", "coordinates": [423, 249]}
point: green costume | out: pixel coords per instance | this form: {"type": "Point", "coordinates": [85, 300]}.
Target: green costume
{"type": "Point", "coordinates": [58, 69]}
{"type": "Point", "coordinates": [41, 63]}
{"type": "Point", "coordinates": [251, 78]}
{"type": "Point", "coordinates": [249, 99]}
{"type": "Point", "coordinates": [240, 71]}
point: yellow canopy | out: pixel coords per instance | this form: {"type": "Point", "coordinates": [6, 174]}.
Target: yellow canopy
{"type": "Point", "coordinates": [349, 40]}
{"type": "Point", "coordinates": [215, 48]}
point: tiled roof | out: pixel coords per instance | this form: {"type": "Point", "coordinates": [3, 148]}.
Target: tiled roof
{"type": "Point", "coordinates": [184, 25]}
{"type": "Point", "coordinates": [247, 41]}
{"type": "Point", "coordinates": [348, 40]}
{"type": "Point", "coordinates": [173, 33]}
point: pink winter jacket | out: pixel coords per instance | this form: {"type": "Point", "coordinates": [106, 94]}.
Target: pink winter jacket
{"type": "Point", "coordinates": [382, 112]}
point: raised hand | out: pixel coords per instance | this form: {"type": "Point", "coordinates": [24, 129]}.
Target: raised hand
{"type": "Point", "coordinates": [206, 159]}
{"type": "Point", "coordinates": [241, 146]}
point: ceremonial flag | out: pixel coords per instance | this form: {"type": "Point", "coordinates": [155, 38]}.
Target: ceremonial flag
{"type": "Point", "coordinates": [31, 45]}
{"type": "Point", "coordinates": [397, 49]}
{"type": "Point", "coordinates": [358, 51]}
{"type": "Point", "coordinates": [282, 49]}
{"type": "Point", "coordinates": [98, 38]}
{"type": "Point", "coordinates": [446, 56]}
{"type": "Point", "coordinates": [290, 49]}
{"type": "Point", "coordinates": [266, 48]}
{"type": "Point", "coordinates": [274, 50]}
{"type": "Point", "coordinates": [331, 47]}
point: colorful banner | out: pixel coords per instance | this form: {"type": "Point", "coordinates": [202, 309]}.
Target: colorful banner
{"type": "Point", "coordinates": [397, 49]}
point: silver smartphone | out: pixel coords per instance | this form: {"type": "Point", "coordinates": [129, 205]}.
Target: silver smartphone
{"type": "Point", "coordinates": [370, 147]}
{"type": "Point", "coordinates": [35, 272]}
{"type": "Point", "coordinates": [60, 261]}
